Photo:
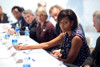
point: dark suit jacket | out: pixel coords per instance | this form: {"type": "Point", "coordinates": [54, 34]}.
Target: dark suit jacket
{"type": "Point", "coordinates": [32, 28]}
{"type": "Point", "coordinates": [94, 59]}
{"type": "Point", "coordinates": [5, 19]}
{"type": "Point", "coordinates": [58, 30]}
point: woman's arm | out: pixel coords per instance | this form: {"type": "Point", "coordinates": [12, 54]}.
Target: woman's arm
{"type": "Point", "coordinates": [75, 48]}
{"type": "Point", "coordinates": [44, 45]}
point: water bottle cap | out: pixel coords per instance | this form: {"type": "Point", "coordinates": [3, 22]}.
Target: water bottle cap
{"type": "Point", "coordinates": [26, 28]}
{"type": "Point", "coordinates": [17, 25]}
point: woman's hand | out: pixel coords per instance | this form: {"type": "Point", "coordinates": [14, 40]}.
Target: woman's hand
{"type": "Point", "coordinates": [18, 47]}
{"type": "Point", "coordinates": [56, 53]}
{"type": "Point", "coordinates": [11, 31]}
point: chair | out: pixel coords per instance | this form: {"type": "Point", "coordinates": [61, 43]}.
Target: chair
{"type": "Point", "coordinates": [89, 42]}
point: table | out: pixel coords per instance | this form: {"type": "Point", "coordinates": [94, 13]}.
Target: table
{"type": "Point", "coordinates": [10, 57]}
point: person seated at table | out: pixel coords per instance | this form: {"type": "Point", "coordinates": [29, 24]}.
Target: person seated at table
{"type": "Point", "coordinates": [17, 12]}
{"type": "Point", "coordinates": [3, 17]}
{"type": "Point", "coordinates": [94, 59]}
{"type": "Point", "coordinates": [54, 11]}
{"type": "Point", "coordinates": [30, 19]}
{"type": "Point", "coordinates": [75, 49]}
{"type": "Point", "coordinates": [45, 30]}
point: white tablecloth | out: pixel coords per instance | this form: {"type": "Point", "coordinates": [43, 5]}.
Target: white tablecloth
{"type": "Point", "coordinates": [14, 58]}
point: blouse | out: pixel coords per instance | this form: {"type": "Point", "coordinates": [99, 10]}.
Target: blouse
{"type": "Point", "coordinates": [84, 50]}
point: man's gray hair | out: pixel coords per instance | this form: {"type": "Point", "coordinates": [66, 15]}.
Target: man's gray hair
{"type": "Point", "coordinates": [97, 16]}
{"type": "Point", "coordinates": [27, 11]}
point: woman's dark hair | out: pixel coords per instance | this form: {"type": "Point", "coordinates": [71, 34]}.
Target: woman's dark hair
{"type": "Point", "coordinates": [70, 15]}
{"type": "Point", "coordinates": [20, 9]}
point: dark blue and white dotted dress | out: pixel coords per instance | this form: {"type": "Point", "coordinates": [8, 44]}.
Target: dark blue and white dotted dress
{"type": "Point", "coordinates": [84, 51]}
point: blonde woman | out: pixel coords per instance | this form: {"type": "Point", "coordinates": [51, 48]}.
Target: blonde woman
{"type": "Point", "coordinates": [45, 30]}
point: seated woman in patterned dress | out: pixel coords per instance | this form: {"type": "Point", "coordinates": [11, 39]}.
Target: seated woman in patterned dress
{"type": "Point", "coordinates": [75, 49]}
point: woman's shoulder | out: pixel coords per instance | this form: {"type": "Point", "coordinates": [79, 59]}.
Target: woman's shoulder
{"type": "Point", "coordinates": [76, 39]}
{"type": "Point", "coordinates": [49, 23]}
{"type": "Point", "coordinates": [79, 33]}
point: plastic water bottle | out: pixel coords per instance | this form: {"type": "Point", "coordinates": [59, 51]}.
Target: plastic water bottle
{"type": "Point", "coordinates": [17, 31]}
{"type": "Point", "coordinates": [7, 36]}
{"type": "Point", "coordinates": [27, 32]}
{"type": "Point", "coordinates": [14, 40]}
{"type": "Point", "coordinates": [27, 62]}
{"type": "Point", "coordinates": [7, 39]}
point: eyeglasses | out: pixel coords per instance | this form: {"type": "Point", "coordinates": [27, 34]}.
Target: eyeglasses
{"type": "Point", "coordinates": [39, 15]}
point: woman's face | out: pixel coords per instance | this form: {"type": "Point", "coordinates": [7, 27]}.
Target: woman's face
{"type": "Point", "coordinates": [41, 17]}
{"type": "Point", "coordinates": [66, 24]}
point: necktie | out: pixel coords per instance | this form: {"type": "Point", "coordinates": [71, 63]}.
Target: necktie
{"type": "Point", "coordinates": [30, 26]}
{"type": "Point", "coordinates": [19, 24]}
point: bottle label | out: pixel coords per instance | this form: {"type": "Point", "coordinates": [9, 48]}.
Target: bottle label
{"type": "Point", "coordinates": [26, 65]}
{"type": "Point", "coordinates": [17, 29]}
{"type": "Point", "coordinates": [14, 41]}
{"type": "Point", "coordinates": [26, 33]}
{"type": "Point", "coordinates": [7, 36]}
